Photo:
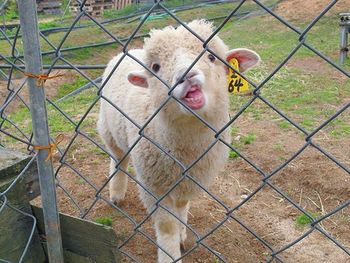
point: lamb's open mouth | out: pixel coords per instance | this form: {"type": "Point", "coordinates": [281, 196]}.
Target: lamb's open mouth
{"type": "Point", "coordinates": [194, 97]}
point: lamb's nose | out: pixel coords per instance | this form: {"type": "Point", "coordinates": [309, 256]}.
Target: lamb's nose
{"type": "Point", "coordinates": [189, 75]}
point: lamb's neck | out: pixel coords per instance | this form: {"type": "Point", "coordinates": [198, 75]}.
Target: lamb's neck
{"type": "Point", "coordinates": [186, 141]}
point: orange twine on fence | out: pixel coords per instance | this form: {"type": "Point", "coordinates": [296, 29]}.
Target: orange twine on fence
{"type": "Point", "coordinates": [42, 77]}
{"type": "Point", "coordinates": [51, 147]}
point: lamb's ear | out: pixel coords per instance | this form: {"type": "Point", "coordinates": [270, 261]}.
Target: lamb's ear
{"type": "Point", "coordinates": [138, 79]}
{"type": "Point", "coordinates": [246, 58]}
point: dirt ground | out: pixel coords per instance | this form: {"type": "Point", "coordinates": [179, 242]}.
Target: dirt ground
{"type": "Point", "coordinates": [302, 10]}
{"type": "Point", "coordinates": [311, 180]}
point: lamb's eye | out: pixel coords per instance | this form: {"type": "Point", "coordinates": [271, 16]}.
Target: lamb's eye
{"type": "Point", "coordinates": [155, 67]}
{"type": "Point", "coordinates": [211, 58]}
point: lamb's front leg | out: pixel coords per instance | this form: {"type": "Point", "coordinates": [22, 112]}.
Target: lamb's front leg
{"type": "Point", "coordinates": [168, 236]}
{"type": "Point", "coordinates": [182, 207]}
{"type": "Point", "coordinates": [119, 183]}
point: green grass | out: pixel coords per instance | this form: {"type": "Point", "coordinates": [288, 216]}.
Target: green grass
{"type": "Point", "coordinates": [74, 107]}
{"type": "Point", "coordinates": [216, 260]}
{"type": "Point", "coordinates": [114, 13]}
{"type": "Point", "coordinates": [284, 125]}
{"type": "Point", "coordinates": [64, 7]}
{"type": "Point", "coordinates": [11, 11]}
{"type": "Point", "coordinates": [278, 146]}
{"type": "Point", "coordinates": [50, 24]}
{"type": "Point", "coordinates": [248, 139]}
{"type": "Point", "coordinates": [104, 220]}
{"type": "Point", "coordinates": [307, 99]}
{"type": "Point", "coordinates": [232, 155]}
{"type": "Point", "coordinates": [70, 87]}
{"type": "Point", "coordinates": [339, 128]}
{"type": "Point", "coordinates": [22, 118]}
{"type": "Point", "coordinates": [308, 123]}
{"type": "Point", "coordinates": [174, 3]}
{"type": "Point", "coordinates": [241, 143]}
{"type": "Point", "coordinates": [302, 219]}
{"type": "Point", "coordinates": [343, 131]}
{"type": "Point", "coordinates": [131, 170]}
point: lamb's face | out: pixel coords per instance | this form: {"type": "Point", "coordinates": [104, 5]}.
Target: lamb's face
{"type": "Point", "coordinates": [197, 85]}
{"type": "Point", "coordinates": [170, 54]}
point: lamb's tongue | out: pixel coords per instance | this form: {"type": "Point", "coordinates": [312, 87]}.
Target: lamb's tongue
{"type": "Point", "coordinates": [195, 99]}
{"type": "Point", "coordinates": [194, 94]}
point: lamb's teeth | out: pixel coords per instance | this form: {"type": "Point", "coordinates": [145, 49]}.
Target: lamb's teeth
{"type": "Point", "coordinates": [193, 100]}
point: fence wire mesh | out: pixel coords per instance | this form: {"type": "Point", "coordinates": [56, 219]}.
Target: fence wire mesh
{"type": "Point", "coordinates": [81, 167]}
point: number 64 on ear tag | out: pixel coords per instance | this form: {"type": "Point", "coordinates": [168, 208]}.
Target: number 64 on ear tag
{"type": "Point", "coordinates": [236, 84]}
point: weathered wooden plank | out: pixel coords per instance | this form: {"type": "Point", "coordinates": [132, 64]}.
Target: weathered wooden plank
{"type": "Point", "coordinates": [70, 257]}
{"type": "Point", "coordinates": [84, 240]}
{"type": "Point", "coordinates": [11, 164]}
{"type": "Point", "coordinates": [15, 227]}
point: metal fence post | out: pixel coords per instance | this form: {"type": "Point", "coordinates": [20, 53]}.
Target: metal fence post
{"type": "Point", "coordinates": [32, 56]}
{"type": "Point", "coordinates": [344, 31]}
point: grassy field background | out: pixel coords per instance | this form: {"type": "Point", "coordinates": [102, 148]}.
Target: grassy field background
{"type": "Point", "coordinates": [306, 80]}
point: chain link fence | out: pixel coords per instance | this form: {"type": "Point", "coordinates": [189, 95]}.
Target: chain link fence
{"type": "Point", "coordinates": [81, 166]}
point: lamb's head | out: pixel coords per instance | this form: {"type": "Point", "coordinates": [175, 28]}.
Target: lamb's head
{"type": "Point", "coordinates": [170, 52]}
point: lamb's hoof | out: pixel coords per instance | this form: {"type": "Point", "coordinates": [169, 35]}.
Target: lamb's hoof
{"type": "Point", "coordinates": [182, 247]}
{"type": "Point", "coordinates": [118, 202]}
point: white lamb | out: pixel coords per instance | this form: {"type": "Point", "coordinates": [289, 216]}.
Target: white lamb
{"type": "Point", "coordinates": [169, 53]}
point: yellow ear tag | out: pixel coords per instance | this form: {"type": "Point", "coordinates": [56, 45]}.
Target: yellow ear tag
{"type": "Point", "coordinates": [236, 84]}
